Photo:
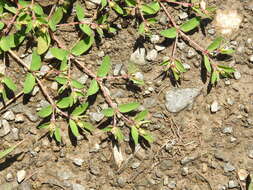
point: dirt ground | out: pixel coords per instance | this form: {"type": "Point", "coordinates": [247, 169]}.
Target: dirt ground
{"type": "Point", "coordinates": [194, 149]}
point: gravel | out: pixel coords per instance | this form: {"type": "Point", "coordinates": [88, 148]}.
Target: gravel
{"type": "Point", "coordinates": [151, 55]}
{"type": "Point", "coordinates": [9, 115]}
{"type": "Point", "coordinates": [21, 175]}
{"type": "Point", "coordinates": [215, 107]}
{"type": "Point", "coordinates": [228, 167]}
{"type": "Point", "coordinates": [78, 161]}
{"type": "Point", "coordinates": [232, 184]}
{"type": "Point", "coordinates": [237, 75]}
{"type": "Point", "coordinates": [138, 57]}
{"type": "Point", "coordinates": [159, 48]}
{"type": "Point", "coordinates": [154, 39]}
{"type": "Point", "coordinates": [117, 69]}
{"type": "Point", "coordinates": [178, 99]}
{"type": "Point", "coordinates": [77, 186]}
{"type": "Point", "coordinates": [5, 128]}
{"type": "Point", "coordinates": [135, 165]}
{"type": "Point", "coordinates": [96, 116]}
{"type": "Point", "coordinates": [228, 130]}
{"type": "Point", "coordinates": [191, 53]}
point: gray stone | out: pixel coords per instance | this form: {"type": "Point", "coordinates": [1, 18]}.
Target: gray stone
{"type": "Point", "coordinates": [154, 38]}
{"type": "Point", "coordinates": [35, 90]}
{"type": "Point", "coordinates": [211, 31]}
{"type": "Point", "coordinates": [228, 167]}
{"type": "Point", "coordinates": [159, 48]}
{"type": "Point", "coordinates": [117, 69]}
{"type": "Point", "coordinates": [187, 160]}
{"type": "Point", "coordinates": [43, 70]}
{"type": "Point", "coordinates": [221, 187]}
{"type": "Point", "coordinates": [96, 116]}
{"type": "Point", "coordinates": [54, 85]}
{"type": "Point", "coordinates": [237, 75]}
{"type": "Point", "coordinates": [9, 177]}
{"type": "Point", "coordinates": [149, 102]}
{"type": "Point", "coordinates": [28, 60]}
{"type": "Point", "coordinates": [31, 115]}
{"type": "Point", "coordinates": [121, 182]}
{"type": "Point", "coordinates": [15, 134]}
{"type": "Point", "coordinates": [151, 55]}
{"type": "Point", "coordinates": [185, 171]}
{"type": "Point", "coordinates": [77, 186]}
{"type": "Point", "coordinates": [48, 56]}
{"type": "Point", "coordinates": [2, 69]}
{"type": "Point", "coordinates": [215, 107]}
{"type": "Point", "coordinates": [135, 165]}
{"type": "Point", "coordinates": [251, 58]}
{"type": "Point", "coordinates": [183, 15]}
{"type": "Point", "coordinates": [96, 1]}
{"type": "Point", "coordinates": [9, 115]}
{"type": "Point", "coordinates": [172, 185]}
{"type": "Point", "coordinates": [101, 54]}
{"type": "Point", "coordinates": [220, 156]}
{"type": "Point", "coordinates": [191, 53]}
{"type": "Point", "coordinates": [78, 161]}
{"type": "Point", "coordinates": [19, 118]}
{"type": "Point", "coordinates": [228, 130]}
{"type": "Point", "coordinates": [94, 170]}
{"type": "Point", "coordinates": [24, 186]}
{"type": "Point", "coordinates": [166, 165]}
{"type": "Point", "coordinates": [232, 184]}
{"type": "Point", "coordinates": [250, 154]}
{"type": "Point", "coordinates": [242, 174]}
{"type": "Point", "coordinates": [95, 148]}
{"type": "Point", "coordinates": [138, 57]}
{"type": "Point", "coordinates": [83, 79]}
{"type": "Point", "coordinates": [21, 175]}
{"type": "Point", "coordinates": [186, 66]}
{"type": "Point", "coordinates": [178, 99]}
{"type": "Point", "coordinates": [181, 45]}
{"type": "Point", "coordinates": [232, 139]}
{"type": "Point", "coordinates": [5, 129]}
{"type": "Point", "coordinates": [139, 76]}
{"type": "Point", "coordinates": [65, 174]}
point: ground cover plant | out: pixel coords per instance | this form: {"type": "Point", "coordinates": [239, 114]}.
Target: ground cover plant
{"type": "Point", "coordinates": [24, 20]}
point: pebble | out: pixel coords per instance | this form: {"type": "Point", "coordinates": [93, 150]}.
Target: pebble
{"type": "Point", "coordinates": [28, 60]}
{"type": "Point", "coordinates": [250, 154]}
{"type": "Point", "coordinates": [9, 115]}
{"type": "Point", "coordinates": [187, 160]}
{"type": "Point", "coordinates": [2, 69]}
{"type": "Point", "coordinates": [5, 129]}
{"type": "Point", "coordinates": [228, 167]}
{"type": "Point", "coordinates": [96, 1]}
{"type": "Point", "coordinates": [242, 174]}
{"type": "Point", "coordinates": [94, 170]}
{"type": "Point", "coordinates": [185, 171]}
{"type": "Point", "coordinates": [19, 118]}
{"type": "Point", "coordinates": [215, 107]}
{"type": "Point", "coordinates": [54, 85]}
{"type": "Point", "coordinates": [172, 185]}
{"type": "Point", "coordinates": [96, 116]}
{"type": "Point", "coordinates": [191, 53]}
{"type": "Point", "coordinates": [251, 58]}
{"type": "Point", "coordinates": [237, 75]}
{"type": "Point", "coordinates": [228, 130]}
{"type": "Point", "coordinates": [151, 55]}
{"type": "Point", "coordinates": [48, 55]}
{"type": "Point", "coordinates": [64, 174]}
{"type": "Point", "coordinates": [181, 45]}
{"type": "Point", "coordinates": [21, 175]}
{"type": "Point", "coordinates": [230, 101]}
{"type": "Point", "coordinates": [220, 156]}
{"type": "Point", "coordinates": [121, 182]}
{"type": "Point", "coordinates": [101, 54]}
{"type": "Point", "coordinates": [9, 177]}
{"type": "Point", "coordinates": [166, 165]}
{"type": "Point", "coordinates": [43, 70]}
{"type": "Point", "coordinates": [232, 184]}
{"type": "Point", "coordinates": [135, 165]}
{"type": "Point", "coordinates": [211, 31]}
{"type": "Point", "coordinates": [165, 180]}
{"type": "Point", "coordinates": [117, 69]}
{"type": "Point", "coordinates": [95, 148]}
{"type": "Point", "coordinates": [25, 186]}
{"type": "Point", "coordinates": [232, 139]}
{"type": "Point", "coordinates": [183, 15]}
{"type": "Point", "coordinates": [139, 76]}
{"type": "Point", "coordinates": [83, 79]}
{"type": "Point", "coordinates": [15, 133]}
{"type": "Point", "coordinates": [149, 102]}
{"type": "Point", "coordinates": [178, 99]}
{"type": "Point", "coordinates": [77, 186]}
{"type": "Point", "coordinates": [154, 38]}
{"type": "Point", "coordinates": [186, 66]}
{"type": "Point", "coordinates": [138, 57]}
{"type": "Point", "coordinates": [221, 187]}
{"type": "Point", "coordinates": [159, 48]}
{"type": "Point", "coordinates": [78, 161]}
{"type": "Point", "coordinates": [36, 89]}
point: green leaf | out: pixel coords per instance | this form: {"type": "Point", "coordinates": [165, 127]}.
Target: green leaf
{"type": "Point", "coordinates": [215, 44]}
{"type": "Point", "coordinates": [108, 128]}
{"type": "Point", "coordinates": [79, 12]}
{"type": "Point", "coordinates": [9, 83]}
{"type": "Point", "coordinates": [227, 51]}
{"type": "Point", "coordinates": [80, 109]}
{"type": "Point", "coordinates": [175, 74]}
{"type": "Point", "coordinates": [86, 125]}
{"type": "Point", "coordinates": [179, 66]}
{"type": "Point", "coordinates": [61, 80]}
{"type": "Point", "coordinates": [190, 24]}
{"type": "Point", "coordinates": [43, 43]}
{"type": "Point", "coordinates": [214, 77]}
{"type": "Point", "coordinates": [148, 137]}
{"type": "Point", "coordinates": [82, 46]}
{"type": "Point", "coordinates": [36, 62]}
{"type": "Point", "coordinates": [207, 64]}
{"type": "Point", "coordinates": [103, 4]}
{"type": "Point", "coordinates": [130, 3]}
{"type": "Point", "coordinates": [135, 134]}
{"type": "Point", "coordinates": [117, 8]}
{"type": "Point", "coordinates": [151, 8]}
{"type": "Point", "coordinates": [249, 182]}
{"type": "Point", "coordinates": [56, 18]}
{"type": "Point", "coordinates": [169, 33]}
{"type": "Point", "coordinates": [118, 134]}
{"type": "Point", "coordinates": [226, 69]}
{"type": "Point", "coordinates": [104, 67]}
{"type": "Point", "coordinates": [65, 102]}
{"type": "Point", "coordinates": [86, 29]}
{"type": "Point", "coordinates": [141, 116]}
{"type": "Point", "coordinates": [74, 128]}
{"type": "Point", "coordinates": [141, 29]}
{"type": "Point", "coordinates": [59, 54]}
{"type": "Point", "coordinates": [124, 108]}
{"type": "Point", "coordinates": [7, 151]}
{"type": "Point", "coordinates": [77, 84]}
{"type": "Point", "coordinates": [45, 111]}
{"type": "Point", "coordinates": [109, 112]}
{"type": "Point", "coordinates": [57, 134]}
{"type": "Point", "coordinates": [6, 42]}
{"type": "Point", "coordinates": [44, 126]}
{"type": "Point", "coordinates": [1, 25]}
{"type": "Point", "coordinates": [64, 65]}
{"type": "Point", "coordinates": [29, 83]}
{"type": "Point", "coordinates": [93, 89]}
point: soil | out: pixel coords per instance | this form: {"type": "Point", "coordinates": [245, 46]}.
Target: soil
{"type": "Point", "coordinates": [192, 150]}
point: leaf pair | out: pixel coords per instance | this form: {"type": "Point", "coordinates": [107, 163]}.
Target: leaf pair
{"type": "Point", "coordinates": [123, 108]}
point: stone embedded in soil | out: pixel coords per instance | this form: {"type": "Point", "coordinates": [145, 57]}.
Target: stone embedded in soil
{"type": "Point", "coordinates": [185, 171]}
{"type": "Point", "coordinates": [159, 47]}
{"type": "Point", "coordinates": [121, 182]}
{"type": "Point", "coordinates": [78, 161]}
{"type": "Point", "coordinates": [135, 165]}
{"type": "Point", "coordinates": [232, 184]}
{"type": "Point", "coordinates": [96, 116]}
{"type": "Point", "coordinates": [228, 130]}
{"type": "Point", "coordinates": [21, 175]}
{"type": "Point", "coordinates": [228, 167]}
{"type": "Point", "coordinates": [43, 70]}
{"type": "Point", "coordinates": [178, 99]}
{"type": "Point", "coordinates": [220, 156]}
{"type": "Point", "coordinates": [191, 53]}
{"type": "Point", "coordinates": [83, 79]}
{"type": "Point", "coordinates": [5, 129]}
{"type": "Point", "coordinates": [9, 115]}
{"type": "Point", "coordinates": [172, 185]}
{"type": "Point", "coordinates": [166, 165]}
{"type": "Point", "coordinates": [154, 38]}
{"type": "Point", "coordinates": [96, 1]}
{"type": "Point", "coordinates": [251, 58]}
{"type": "Point", "coordinates": [186, 66]}
{"type": "Point", "coordinates": [117, 69]}
{"type": "Point", "coordinates": [183, 15]}
{"type": "Point", "coordinates": [215, 107]}
{"type": "Point", "coordinates": [138, 57]}
{"type": "Point", "coordinates": [9, 177]}
{"type": "Point", "coordinates": [94, 170]}
{"type": "Point", "coordinates": [77, 186]}
{"type": "Point", "coordinates": [242, 174]}
{"type": "Point", "coordinates": [151, 55]}
{"type": "Point", "coordinates": [250, 154]}
{"type": "Point", "coordinates": [187, 159]}
{"type": "Point", "coordinates": [211, 31]}
{"type": "Point", "coordinates": [15, 134]}
{"type": "Point", "coordinates": [237, 75]}
{"type": "Point", "coordinates": [19, 118]}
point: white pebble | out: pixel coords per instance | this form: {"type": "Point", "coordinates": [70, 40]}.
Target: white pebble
{"type": "Point", "coordinates": [215, 107]}
{"type": "Point", "coordinates": [21, 175]}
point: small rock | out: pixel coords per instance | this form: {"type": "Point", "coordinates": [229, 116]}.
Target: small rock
{"type": "Point", "coordinates": [237, 75]}
{"type": "Point", "coordinates": [25, 186]}
{"type": "Point", "coordinates": [9, 115]}
{"type": "Point", "coordinates": [211, 31]}
{"type": "Point", "coordinates": [117, 69]}
{"type": "Point", "coordinates": [165, 180]}
{"type": "Point", "coordinates": [230, 101]}
{"type": "Point", "coordinates": [228, 130]}
{"type": "Point", "coordinates": [28, 60]}
{"type": "Point", "coordinates": [2, 69]}
{"type": "Point", "coordinates": [5, 129]}
{"type": "Point", "coordinates": [15, 133]}
{"type": "Point", "coordinates": [228, 167]}
{"type": "Point", "coordinates": [21, 175]}
{"type": "Point", "coordinates": [232, 184]}
{"type": "Point", "coordinates": [43, 70]}
{"type": "Point", "coordinates": [251, 58]}
{"type": "Point", "coordinates": [221, 187]}
{"type": "Point", "coordinates": [151, 56]}
{"type": "Point", "coordinates": [9, 177]}
{"type": "Point", "coordinates": [220, 156]}
{"type": "Point", "coordinates": [64, 175]}
{"type": "Point", "coordinates": [250, 154]}
{"type": "Point", "coordinates": [96, 1]}
{"type": "Point", "coordinates": [232, 139]}
{"type": "Point", "coordinates": [95, 148]}
{"type": "Point", "coordinates": [36, 89]}
{"type": "Point", "coordinates": [149, 102]}
{"type": "Point", "coordinates": [77, 186]}
{"type": "Point", "coordinates": [48, 56]}
{"type": "Point", "coordinates": [78, 161]}
{"type": "Point", "coordinates": [183, 15]}
{"type": "Point", "coordinates": [96, 116]}
{"type": "Point", "coordinates": [19, 118]}
{"type": "Point", "coordinates": [139, 76]}
{"type": "Point", "coordinates": [215, 107]}
{"type": "Point", "coordinates": [31, 115]}
{"type": "Point", "coordinates": [191, 53]}
{"type": "Point", "coordinates": [178, 99]}
{"type": "Point", "coordinates": [172, 185]}
{"type": "Point", "coordinates": [187, 160]}
{"type": "Point", "coordinates": [186, 66]}
{"type": "Point", "coordinates": [154, 39]}
{"type": "Point", "coordinates": [185, 171]}
{"type": "Point", "coordinates": [181, 45]}
{"type": "Point", "coordinates": [94, 170]}
{"type": "Point", "coordinates": [101, 54]}
{"type": "Point", "coordinates": [135, 165]}
{"type": "Point", "coordinates": [83, 79]}
{"type": "Point", "coordinates": [243, 174]}
{"type": "Point", "coordinates": [138, 57]}
{"type": "Point", "coordinates": [159, 48]}
{"type": "Point", "coordinates": [54, 85]}
{"type": "Point", "coordinates": [166, 165]}
{"type": "Point", "coordinates": [121, 182]}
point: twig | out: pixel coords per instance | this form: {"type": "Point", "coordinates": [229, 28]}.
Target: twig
{"type": "Point", "coordinates": [10, 101]}
{"type": "Point", "coordinates": [9, 26]}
